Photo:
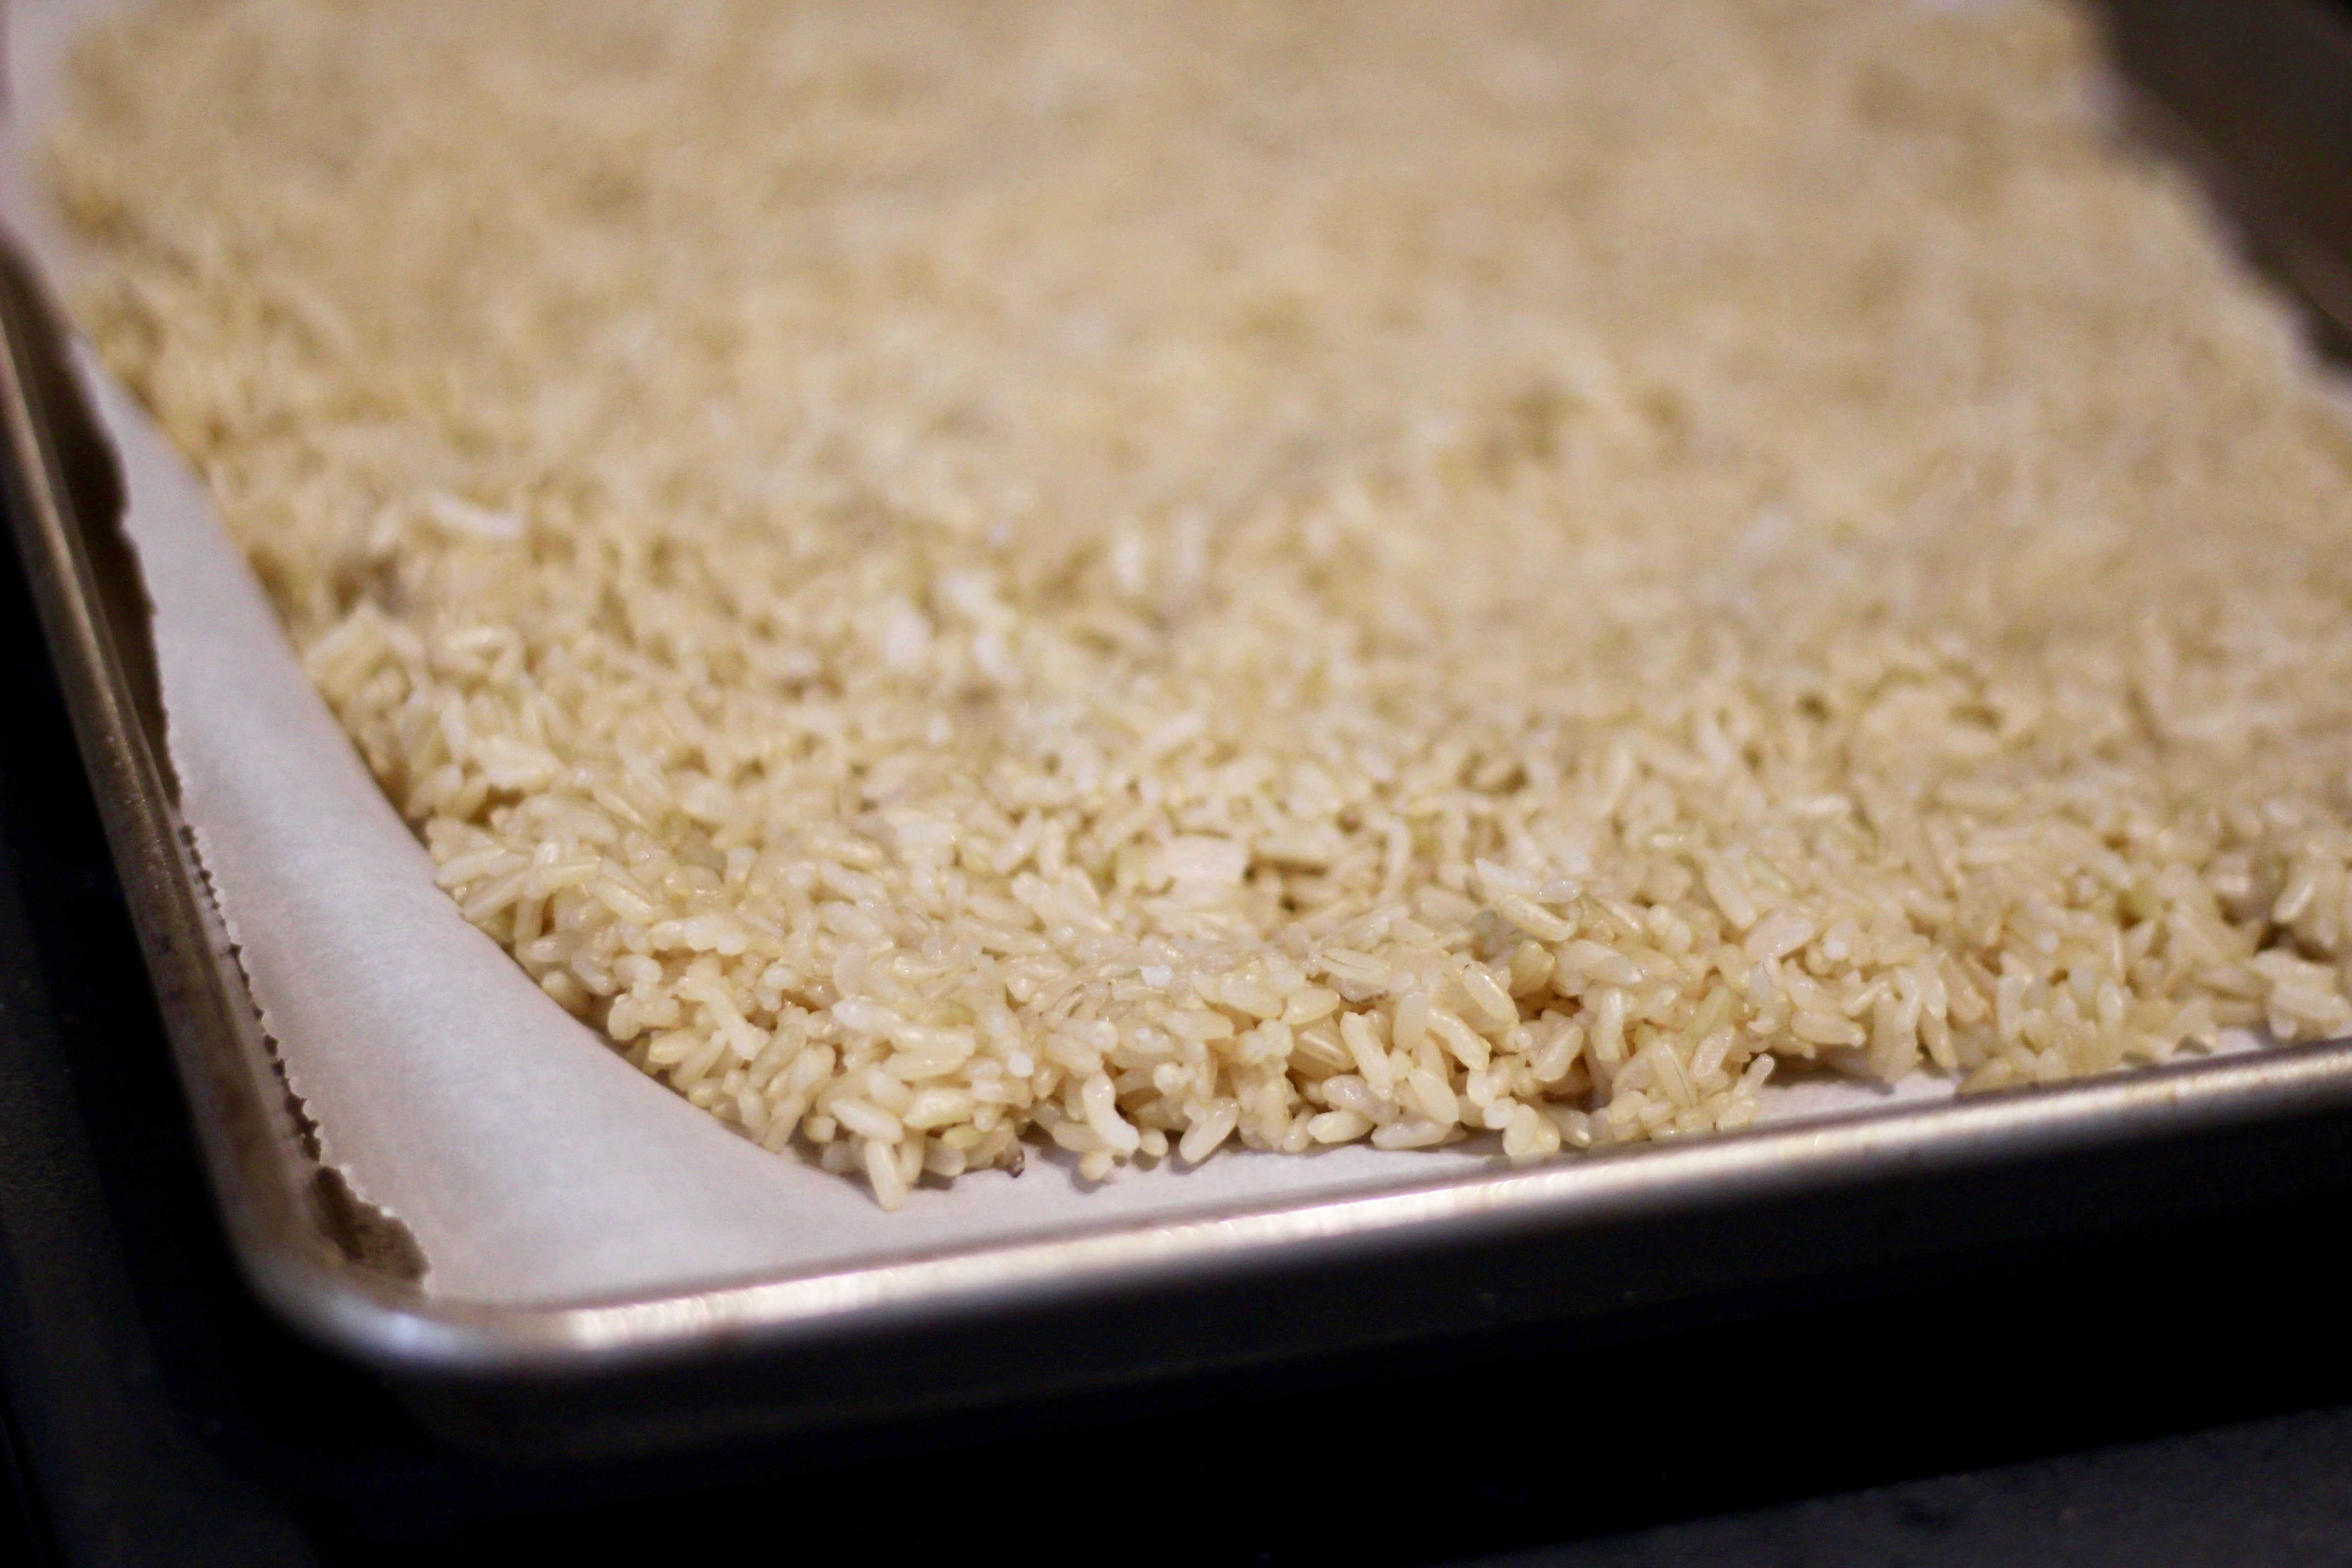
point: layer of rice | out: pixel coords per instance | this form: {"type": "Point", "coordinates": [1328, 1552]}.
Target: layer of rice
{"type": "Point", "coordinates": [1159, 574]}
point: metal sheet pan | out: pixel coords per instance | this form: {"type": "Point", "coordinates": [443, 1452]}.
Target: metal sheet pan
{"type": "Point", "coordinates": [1640, 1231]}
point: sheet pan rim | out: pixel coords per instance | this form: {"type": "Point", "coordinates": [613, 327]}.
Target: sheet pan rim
{"type": "Point", "coordinates": [265, 1188]}
{"type": "Point", "coordinates": [337, 1303]}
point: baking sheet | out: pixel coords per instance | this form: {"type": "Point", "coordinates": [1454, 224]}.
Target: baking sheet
{"type": "Point", "coordinates": [531, 1165]}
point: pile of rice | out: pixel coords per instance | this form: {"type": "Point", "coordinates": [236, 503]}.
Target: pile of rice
{"type": "Point", "coordinates": [1158, 575]}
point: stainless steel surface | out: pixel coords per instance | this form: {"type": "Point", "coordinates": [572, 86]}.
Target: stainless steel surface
{"type": "Point", "coordinates": [1724, 1170]}
{"type": "Point", "coordinates": [58, 473]}
{"type": "Point", "coordinates": [309, 1251]}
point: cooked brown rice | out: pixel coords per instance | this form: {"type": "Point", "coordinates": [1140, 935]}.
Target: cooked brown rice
{"type": "Point", "coordinates": [1162, 574]}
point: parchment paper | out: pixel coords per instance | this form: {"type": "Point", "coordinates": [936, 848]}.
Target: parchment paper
{"type": "Point", "coordinates": [530, 1163]}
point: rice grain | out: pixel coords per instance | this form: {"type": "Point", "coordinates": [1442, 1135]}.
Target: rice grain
{"type": "Point", "coordinates": [1154, 574]}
